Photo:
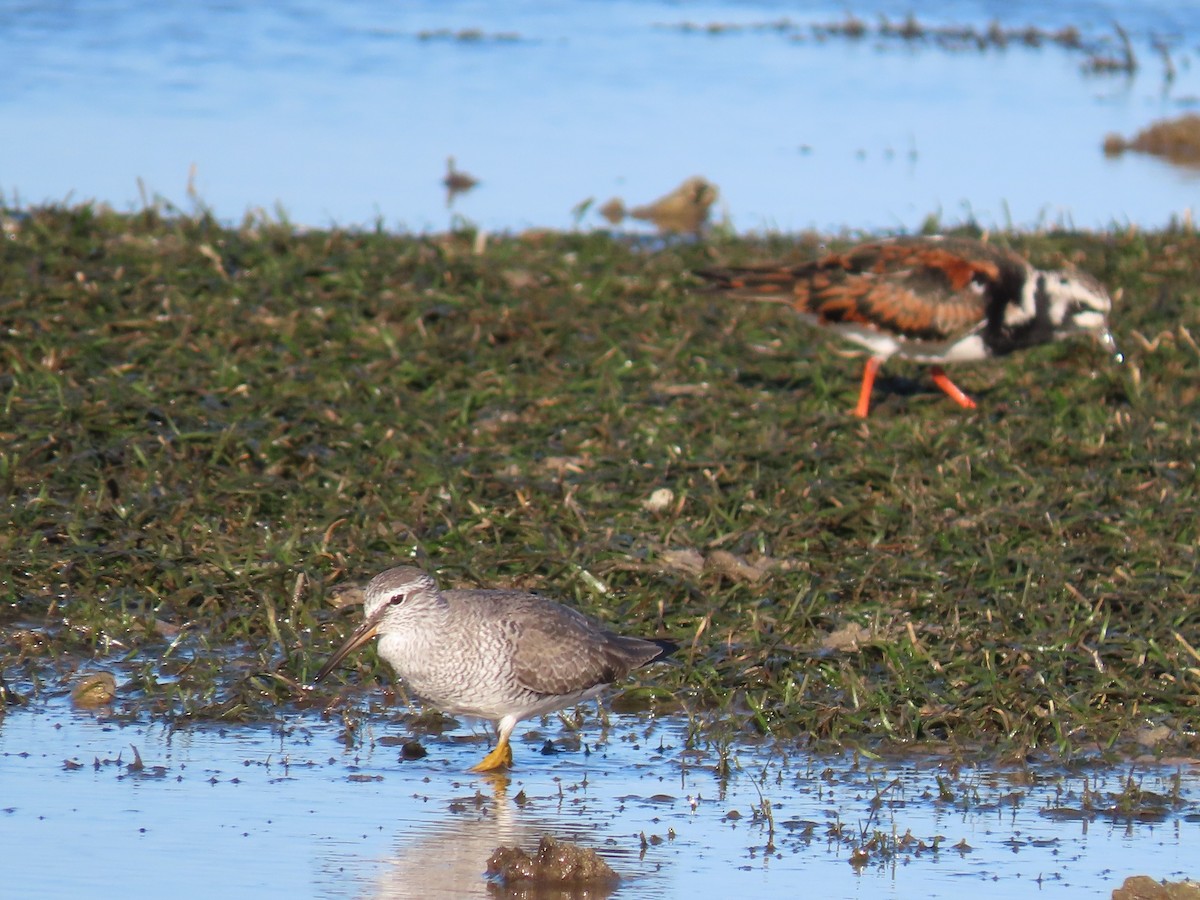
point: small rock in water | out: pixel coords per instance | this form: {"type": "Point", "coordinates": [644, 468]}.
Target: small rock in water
{"type": "Point", "coordinates": [97, 689]}
{"type": "Point", "coordinates": [556, 863]}
{"type": "Point", "coordinates": [1143, 887]}
{"type": "Point", "coordinates": [411, 750]}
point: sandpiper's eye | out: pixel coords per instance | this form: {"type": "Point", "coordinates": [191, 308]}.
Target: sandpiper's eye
{"type": "Point", "coordinates": [397, 600]}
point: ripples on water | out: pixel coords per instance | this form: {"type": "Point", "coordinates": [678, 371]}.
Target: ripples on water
{"type": "Point", "coordinates": [289, 811]}
{"type": "Point", "coordinates": [345, 113]}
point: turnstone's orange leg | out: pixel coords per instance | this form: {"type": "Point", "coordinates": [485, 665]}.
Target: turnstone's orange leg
{"type": "Point", "coordinates": [952, 390]}
{"type": "Point", "coordinates": [864, 395]}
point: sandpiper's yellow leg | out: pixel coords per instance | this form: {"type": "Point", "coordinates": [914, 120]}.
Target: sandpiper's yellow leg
{"type": "Point", "coordinates": [501, 755]}
{"type": "Point", "coordinates": [499, 758]}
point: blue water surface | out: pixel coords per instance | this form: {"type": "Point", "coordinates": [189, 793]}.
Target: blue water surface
{"type": "Point", "coordinates": [345, 113]}
{"type": "Point", "coordinates": [97, 806]}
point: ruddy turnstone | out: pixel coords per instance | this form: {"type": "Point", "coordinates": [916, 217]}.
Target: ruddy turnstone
{"type": "Point", "coordinates": [503, 655]}
{"type": "Point", "coordinates": [930, 299]}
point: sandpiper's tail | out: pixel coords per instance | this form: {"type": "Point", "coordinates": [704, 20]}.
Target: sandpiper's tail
{"type": "Point", "coordinates": [665, 648]}
{"type": "Point", "coordinates": [627, 653]}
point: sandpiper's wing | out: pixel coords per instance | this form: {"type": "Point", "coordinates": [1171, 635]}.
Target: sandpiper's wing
{"type": "Point", "coordinates": [559, 651]}
{"type": "Point", "coordinates": [916, 288]}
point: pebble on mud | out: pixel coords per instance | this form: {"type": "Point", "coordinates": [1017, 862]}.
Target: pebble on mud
{"type": "Point", "coordinates": [555, 863]}
{"type": "Point", "coordinates": [659, 500]}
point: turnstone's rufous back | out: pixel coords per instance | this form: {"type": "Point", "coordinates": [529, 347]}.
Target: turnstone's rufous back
{"type": "Point", "coordinates": [930, 299]}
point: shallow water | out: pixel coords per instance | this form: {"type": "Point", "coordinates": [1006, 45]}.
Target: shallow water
{"type": "Point", "coordinates": [345, 113]}
{"type": "Point", "coordinates": [290, 811]}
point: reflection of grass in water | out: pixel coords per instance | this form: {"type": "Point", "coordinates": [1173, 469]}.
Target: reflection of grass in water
{"type": "Point", "coordinates": [881, 812]}
{"type": "Point", "coordinates": [195, 414]}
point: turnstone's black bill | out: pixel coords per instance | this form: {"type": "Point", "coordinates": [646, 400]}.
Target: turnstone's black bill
{"type": "Point", "coordinates": [930, 299]}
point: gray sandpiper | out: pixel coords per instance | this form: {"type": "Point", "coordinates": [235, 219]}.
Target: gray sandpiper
{"type": "Point", "coordinates": [503, 655]}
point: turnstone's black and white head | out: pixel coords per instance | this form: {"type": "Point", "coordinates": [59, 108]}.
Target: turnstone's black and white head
{"type": "Point", "coordinates": [930, 299]}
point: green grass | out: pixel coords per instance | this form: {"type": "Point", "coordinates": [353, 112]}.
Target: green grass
{"type": "Point", "coordinates": [193, 415]}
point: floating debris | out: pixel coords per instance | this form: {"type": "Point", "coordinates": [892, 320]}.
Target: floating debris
{"type": "Point", "coordinates": [1143, 887]}
{"type": "Point", "coordinates": [783, 24]}
{"type": "Point", "coordinates": [556, 863]}
{"type": "Point", "coordinates": [411, 750]}
{"type": "Point", "coordinates": [909, 30]}
{"type": "Point", "coordinates": [8, 697]}
{"type": "Point", "coordinates": [613, 210]}
{"type": "Point", "coordinates": [1163, 49]}
{"type": "Point", "coordinates": [96, 689]}
{"type": "Point", "coordinates": [851, 27]}
{"type": "Point", "coordinates": [468, 36]}
{"type": "Point", "coordinates": [683, 210]}
{"type": "Point", "coordinates": [1176, 140]}
{"type": "Point", "coordinates": [457, 181]}
{"type": "Point", "coordinates": [1102, 64]}
{"type": "Point", "coordinates": [139, 768]}
{"type": "Point", "coordinates": [912, 31]}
